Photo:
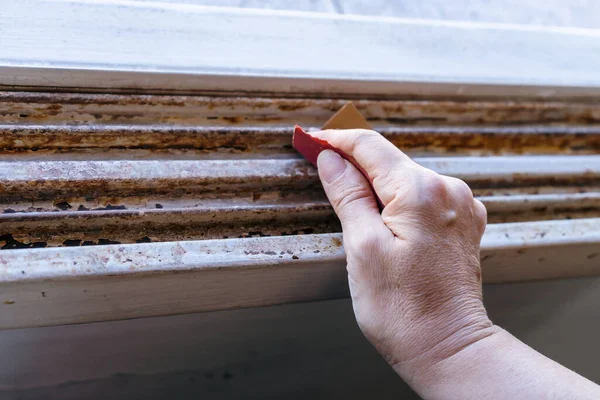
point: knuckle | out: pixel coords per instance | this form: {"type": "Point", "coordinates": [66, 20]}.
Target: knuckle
{"type": "Point", "coordinates": [433, 190]}
{"type": "Point", "coordinates": [461, 190]}
{"type": "Point", "coordinates": [438, 192]}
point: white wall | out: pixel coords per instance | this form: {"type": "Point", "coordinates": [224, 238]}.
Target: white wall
{"type": "Point", "coordinates": [580, 13]}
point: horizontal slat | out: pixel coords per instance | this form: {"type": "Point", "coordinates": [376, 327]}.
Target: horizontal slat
{"type": "Point", "coordinates": [525, 203]}
{"type": "Point", "coordinates": [108, 109]}
{"type": "Point", "coordinates": [77, 223]}
{"type": "Point", "coordinates": [84, 284]}
{"type": "Point", "coordinates": [205, 170]}
{"type": "Point", "coordinates": [527, 207]}
{"type": "Point", "coordinates": [252, 252]}
{"type": "Point", "coordinates": [90, 178]}
{"type": "Point", "coordinates": [543, 250]}
{"type": "Point", "coordinates": [53, 141]}
{"type": "Point", "coordinates": [229, 218]}
{"type": "Point", "coordinates": [44, 179]}
{"type": "Point", "coordinates": [106, 45]}
{"type": "Point", "coordinates": [479, 171]}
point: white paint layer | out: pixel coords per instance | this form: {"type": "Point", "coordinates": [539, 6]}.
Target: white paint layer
{"type": "Point", "coordinates": [185, 47]}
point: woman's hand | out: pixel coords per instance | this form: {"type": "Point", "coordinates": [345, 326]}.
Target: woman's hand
{"type": "Point", "coordinates": [414, 271]}
{"type": "Point", "coordinates": [415, 278]}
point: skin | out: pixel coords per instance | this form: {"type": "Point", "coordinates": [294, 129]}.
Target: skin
{"type": "Point", "coordinates": [415, 278]}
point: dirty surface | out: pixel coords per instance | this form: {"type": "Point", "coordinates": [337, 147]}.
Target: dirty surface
{"type": "Point", "coordinates": [81, 169]}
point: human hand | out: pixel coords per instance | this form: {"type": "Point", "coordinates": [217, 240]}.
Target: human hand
{"type": "Point", "coordinates": [415, 278]}
{"type": "Point", "coordinates": [414, 269]}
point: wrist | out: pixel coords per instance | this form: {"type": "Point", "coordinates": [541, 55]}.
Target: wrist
{"type": "Point", "coordinates": [458, 341]}
{"type": "Point", "coordinates": [440, 368]}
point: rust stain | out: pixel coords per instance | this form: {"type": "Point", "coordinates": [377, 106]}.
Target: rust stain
{"type": "Point", "coordinates": [287, 107]}
{"type": "Point", "coordinates": [233, 120]}
{"type": "Point", "coordinates": [85, 228]}
{"type": "Point", "coordinates": [19, 107]}
{"type": "Point", "coordinates": [442, 140]}
{"type": "Point", "coordinates": [86, 205]}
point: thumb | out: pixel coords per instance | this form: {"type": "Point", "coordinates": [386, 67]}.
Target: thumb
{"type": "Point", "coordinates": [349, 193]}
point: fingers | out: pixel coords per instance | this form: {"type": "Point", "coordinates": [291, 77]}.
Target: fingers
{"type": "Point", "coordinates": [383, 162]}
{"type": "Point", "coordinates": [352, 198]}
{"type": "Point", "coordinates": [410, 193]}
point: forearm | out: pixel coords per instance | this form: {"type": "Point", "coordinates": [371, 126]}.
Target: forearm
{"type": "Point", "coordinates": [499, 366]}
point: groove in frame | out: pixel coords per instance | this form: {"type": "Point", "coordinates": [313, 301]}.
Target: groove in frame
{"type": "Point", "coordinates": [39, 141]}
{"type": "Point", "coordinates": [196, 219]}
{"type": "Point", "coordinates": [44, 179]}
{"type": "Point", "coordinates": [223, 111]}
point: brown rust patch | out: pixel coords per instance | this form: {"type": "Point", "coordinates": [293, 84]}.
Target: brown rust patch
{"type": "Point", "coordinates": [292, 107]}
{"type": "Point", "coordinates": [80, 228]}
{"type": "Point", "coordinates": [440, 140]}
{"type": "Point", "coordinates": [184, 108]}
{"type": "Point", "coordinates": [497, 140]}
{"type": "Point", "coordinates": [25, 137]}
{"type": "Point", "coordinates": [233, 120]}
{"type": "Point", "coordinates": [155, 126]}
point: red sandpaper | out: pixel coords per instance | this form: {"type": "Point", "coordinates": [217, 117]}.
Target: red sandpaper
{"type": "Point", "coordinates": [310, 147]}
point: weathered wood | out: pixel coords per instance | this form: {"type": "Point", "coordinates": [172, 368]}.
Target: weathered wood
{"type": "Point", "coordinates": [56, 286]}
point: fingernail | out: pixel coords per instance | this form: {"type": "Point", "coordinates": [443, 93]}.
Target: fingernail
{"type": "Point", "coordinates": [331, 165]}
